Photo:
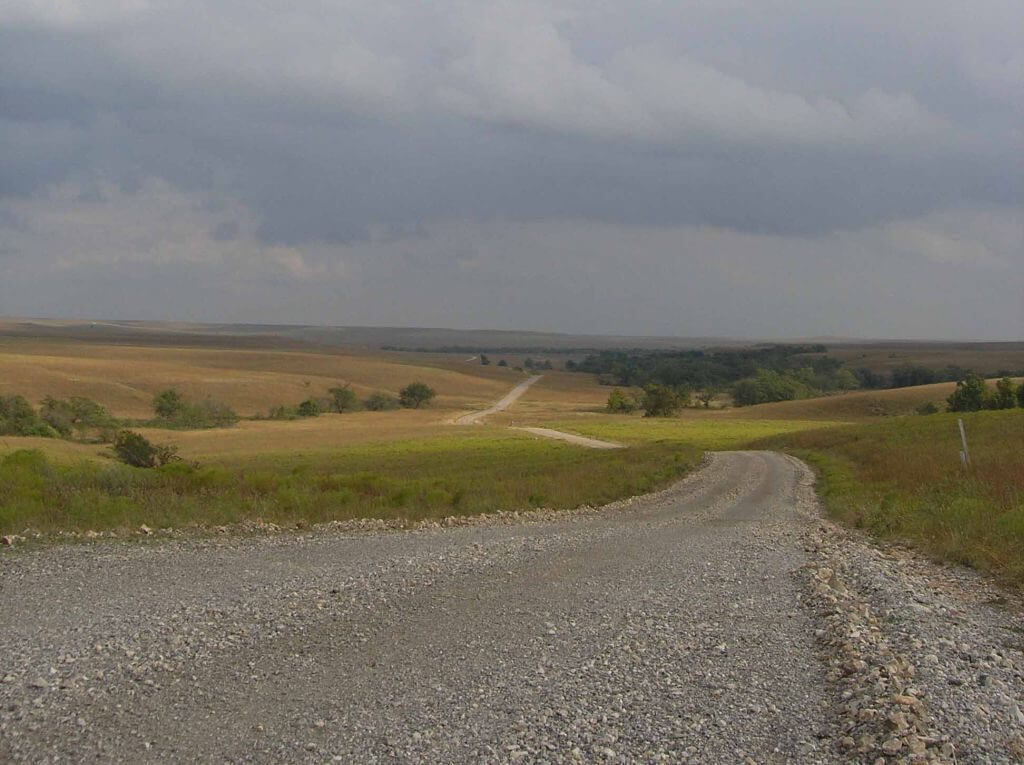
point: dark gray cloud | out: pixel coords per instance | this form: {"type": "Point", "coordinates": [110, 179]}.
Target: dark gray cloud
{"type": "Point", "coordinates": [538, 164]}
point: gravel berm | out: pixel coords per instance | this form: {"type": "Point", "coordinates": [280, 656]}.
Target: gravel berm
{"type": "Point", "coordinates": [722, 620]}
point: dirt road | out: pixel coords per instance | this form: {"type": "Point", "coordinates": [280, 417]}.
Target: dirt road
{"type": "Point", "coordinates": [689, 626]}
{"type": "Point", "coordinates": [572, 438]}
{"type": "Point", "coordinates": [475, 418]}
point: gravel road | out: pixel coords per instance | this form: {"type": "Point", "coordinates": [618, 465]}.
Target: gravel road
{"type": "Point", "coordinates": [475, 418]}
{"type": "Point", "coordinates": [718, 621]}
{"type": "Point", "coordinates": [572, 438]}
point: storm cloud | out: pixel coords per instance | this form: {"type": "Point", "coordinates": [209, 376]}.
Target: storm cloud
{"type": "Point", "coordinates": [736, 168]}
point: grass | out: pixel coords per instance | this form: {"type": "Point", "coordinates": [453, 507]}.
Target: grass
{"type": "Point", "coordinates": [124, 378]}
{"type": "Point", "coordinates": [902, 480]}
{"type": "Point", "coordinates": [428, 478]}
{"type": "Point", "coordinates": [704, 433]}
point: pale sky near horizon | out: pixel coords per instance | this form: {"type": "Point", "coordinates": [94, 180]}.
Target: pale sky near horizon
{"type": "Point", "coordinates": [759, 168]}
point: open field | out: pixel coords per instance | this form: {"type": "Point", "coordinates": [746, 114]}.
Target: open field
{"type": "Point", "coordinates": [124, 378]}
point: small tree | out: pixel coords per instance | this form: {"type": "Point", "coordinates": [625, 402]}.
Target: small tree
{"type": "Point", "coordinates": [136, 450]}
{"type": "Point", "coordinates": [18, 418]}
{"type": "Point", "coordinates": [414, 395]}
{"type": "Point", "coordinates": [970, 395]}
{"type": "Point", "coordinates": [1020, 395]}
{"type": "Point", "coordinates": [484, 360]}
{"type": "Point", "coordinates": [619, 402]}
{"type": "Point", "coordinates": [308, 408]}
{"type": "Point", "coordinates": [660, 401]}
{"type": "Point", "coordinates": [379, 402]}
{"type": "Point", "coordinates": [707, 395]}
{"type": "Point", "coordinates": [503, 363]}
{"type": "Point", "coordinates": [343, 399]}
{"type": "Point", "coordinates": [1005, 396]}
{"type": "Point", "coordinates": [168, 404]}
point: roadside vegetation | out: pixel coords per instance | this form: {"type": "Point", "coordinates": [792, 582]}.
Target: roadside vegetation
{"type": "Point", "coordinates": [903, 480]}
{"type": "Point", "coordinates": [413, 480]}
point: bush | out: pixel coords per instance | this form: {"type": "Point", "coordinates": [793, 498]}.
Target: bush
{"type": "Point", "coordinates": [1020, 395]}
{"type": "Point", "coordinates": [379, 402]}
{"type": "Point", "coordinates": [77, 414]}
{"type": "Point", "coordinates": [136, 450]}
{"type": "Point", "coordinates": [18, 418]}
{"type": "Point", "coordinates": [928, 408]}
{"type": "Point", "coordinates": [660, 401]}
{"type": "Point", "coordinates": [308, 408]}
{"type": "Point", "coordinates": [619, 402]}
{"type": "Point", "coordinates": [414, 395]}
{"type": "Point", "coordinates": [343, 399]}
{"type": "Point", "coordinates": [1005, 396]}
{"type": "Point", "coordinates": [503, 363]}
{"type": "Point", "coordinates": [173, 411]}
{"type": "Point", "coordinates": [970, 395]}
{"type": "Point", "coordinates": [168, 404]}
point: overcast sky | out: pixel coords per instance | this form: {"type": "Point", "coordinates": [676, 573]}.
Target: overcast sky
{"type": "Point", "coordinates": [721, 167]}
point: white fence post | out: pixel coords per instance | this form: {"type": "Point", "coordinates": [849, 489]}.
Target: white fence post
{"type": "Point", "coordinates": [965, 456]}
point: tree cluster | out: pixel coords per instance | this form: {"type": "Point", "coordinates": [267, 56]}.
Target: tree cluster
{"type": "Point", "coordinates": [972, 394]}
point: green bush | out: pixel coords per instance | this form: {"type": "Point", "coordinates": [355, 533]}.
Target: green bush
{"type": "Point", "coordinates": [343, 399]}
{"type": "Point", "coordinates": [928, 408]}
{"type": "Point", "coordinates": [970, 395]}
{"type": "Point", "coordinates": [414, 395]}
{"type": "Point", "coordinates": [78, 414]}
{"type": "Point", "coordinates": [661, 401]}
{"type": "Point", "coordinates": [1005, 396]}
{"type": "Point", "coordinates": [619, 402]}
{"type": "Point", "coordinates": [18, 418]}
{"type": "Point", "coordinates": [173, 411]}
{"type": "Point", "coordinates": [308, 408]}
{"type": "Point", "coordinates": [379, 402]}
{"type": "Point", "coordinates": [136, 450]}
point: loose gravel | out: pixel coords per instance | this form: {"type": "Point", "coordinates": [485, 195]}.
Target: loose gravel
{"type": "Point", "coordinates": [721, 620]}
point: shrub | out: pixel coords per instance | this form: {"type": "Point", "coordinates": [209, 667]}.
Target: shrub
{"type": "Point", "coordinates": [414, 395]}
{"type": "Point", "coordinates": [970, 395]}
{"type": "Point", "coordinates": [619, 402]}
{"type": "Point", "coordinates": [660, 401]}
{"type": "Point", "coordinates": [1020, 395]}
{"type": "Point", "coordinates": [928, 408]}
{"type": "Point", "coordinates": [79, 414]}
{"type": "Point", "coordinates": [18, 418]}
{"type": "Point", "coordinates": [136, 450]}
{"type": "Point", "coordinates": [308, 408]}
{"type": "Point", "coordinates": [379, 402]}
{"type": "Point", "coordinates": [484, 360]}
{"type": "Point", "coordinates": [503, 363]}
{"type": "Point", "coordinates": [1005, 396]}
{"type": "Point", "coordinates": [168, 404]}
{"type": "Point", "coordinates": [173, 411]}
{"type": "Point", "coordinates": [343, 399]}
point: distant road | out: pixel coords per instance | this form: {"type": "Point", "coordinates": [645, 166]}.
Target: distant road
{"type": "Point", "coordinates": [474, 418]}
{"type": "Point", "coordinates": [572, 438]}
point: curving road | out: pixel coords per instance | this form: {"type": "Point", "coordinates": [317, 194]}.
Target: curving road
{"type": "Point", "coordinates": [666, 628]}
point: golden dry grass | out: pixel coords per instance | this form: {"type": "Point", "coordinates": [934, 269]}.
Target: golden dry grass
{"type": "Point", "coordinates": [124, 378]}
{"type": "Point", "coordinates": [981, 357]}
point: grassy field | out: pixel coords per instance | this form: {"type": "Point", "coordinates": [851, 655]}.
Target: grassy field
{"type": "Point", "coordinates": [124, 378]}
{"type": "Point", "coordinates": [902, 479]}
{"type": "Point", "coordinates": [473, 470]}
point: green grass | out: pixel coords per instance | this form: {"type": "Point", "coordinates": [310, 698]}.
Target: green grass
{"type": "Point", "coordinates": [412, 480]}
{"type": "Point", "coordinates": [703, 434]}
{"type": "Point", "coordinates": [902, 480]}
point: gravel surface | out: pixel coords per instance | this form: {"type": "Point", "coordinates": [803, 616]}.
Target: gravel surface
{"type": "Point", "coordinates": [718, 621]}
{"type": "Point", "coordinates": [572, 438]}
{"type": "Point", "coordinates": [475, 418]}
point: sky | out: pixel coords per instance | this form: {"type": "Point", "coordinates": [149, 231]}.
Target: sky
{"type": "Point", "coordinates": [741, 168]}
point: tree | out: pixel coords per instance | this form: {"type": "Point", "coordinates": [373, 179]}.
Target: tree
{"type": "Point", "coordinates": [414, 395]}
{"type": "Point", "coordinates": [969, 396]}
{"type": "Point", "coordinates": [484, 360]}
{"type": "Point", "coordinates": [308, 408]}
{"type": "Point", "coordinates": [1020, 395]}
{"type": "Point", "coordinates": [379, 402]}
{"type": "Point", "coordinates": [136, 450]}
{"type": "Point", "coordinates": [503, 363]}
{"type": "Point", "coordinates": [660, 401]}
{"type": "Point", "coordinates": [343, 399]}
{"type": "Point", "coordinates": [18, 418]}
{"type": "Point", "coordinates": [1005, 396]}
{"type": "Point", "coordinates": [619, 402]}
{"type": "Point", "coordinates": [707, 395]}
{"type": "Point", "coordinates": [167, 404]}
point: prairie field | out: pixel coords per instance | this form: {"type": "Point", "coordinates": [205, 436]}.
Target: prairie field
{"type": "Point", "coordinates": [124, 378]}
